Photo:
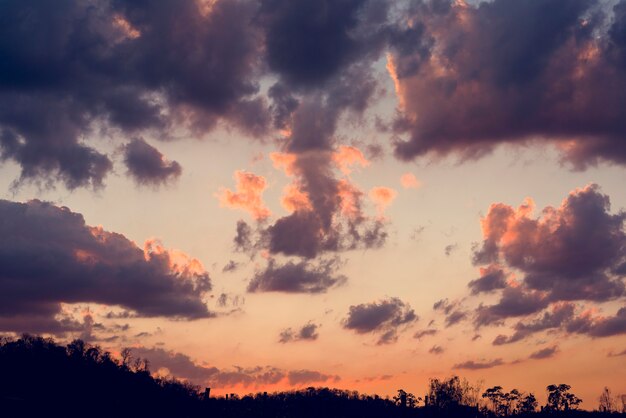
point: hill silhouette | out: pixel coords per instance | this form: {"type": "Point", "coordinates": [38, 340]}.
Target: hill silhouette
{"type": "Point", "coordinates": [40, 378]}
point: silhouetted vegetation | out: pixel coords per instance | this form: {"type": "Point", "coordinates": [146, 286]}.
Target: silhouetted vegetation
{"type": "Point", "coordinates": [41, 378]}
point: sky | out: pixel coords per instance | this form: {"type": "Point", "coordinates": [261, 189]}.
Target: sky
{"type": "Point", "coordinates": [262, 195]}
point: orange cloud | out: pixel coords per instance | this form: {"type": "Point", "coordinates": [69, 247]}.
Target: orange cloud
{"type": "Point", "coordinates": [295, 199]}
{"type": "Point", "coordinates": [382, 198]}
{"type": "Point", "coordinates": [393, 73]}
{"type": "Point", "coordinates": [250, 187]}
{"type": "Point", "coordinates": [125, 27]}
{"type": "Point", "coordinates": [350, 197]}
{"type": "Point", "coordinates": [409, 181]}
{"type": "Point", "coordinates": [178, 261]}
{"type": "Point", "coordinates": [347, 156]}
{"type": "Point", "coordinates": [284, 161]}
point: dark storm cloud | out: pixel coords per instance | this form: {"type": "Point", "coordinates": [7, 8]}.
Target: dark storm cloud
{"type": "Point", "coordinates": [308, 42]}
{"type": "Point", "coordinates": [544, 353]}
{"type": "Point", "coordinates": [569, 252]}
{"type": "Point", "coordinates": [71, 67]}
{"type": "Point", "coordinates": [49, 256]}
{"type": "Point", "coordinates": [300, 277]}
{"type": "Point", "coordinates": [147, 165]}
{"type": "Point", "coordinates": [307, 332]}
{"type": "Point", "coordinates": [384, 317]}
{"type": "Point", "coordinates": [491, 80]}
{"type": "Point", "coordinates": [479, 365]}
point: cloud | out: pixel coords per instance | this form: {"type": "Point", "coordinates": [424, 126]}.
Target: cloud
{"type": "Point", "coordinates": [424, 333]}
{"type": "Point", "coordinates": [568, 253]}
{"type": "Point", "coordinates": [347, 156]}
{"type": "Point", "coordinates": [566, 76]}
{"type": "Point", "coordinates": [327, 213]}
{"type": "Point", "coordinates": [300, 277]}
{"type": "Point", "coordinates": [301, 377]}
{"type": "Point", "coordinates": [514, 302]}
{"type": "Point", "coordinates": [384, 317]}
{"type": "Point", "coordinates": [250, 188]}
{"type": "Point", "coordinates": [382, 198]}
{"type": "Point", "coordinates": [49, 256]}
{"type": "Point", "coordinates": [230, 267]}
{"type": "Point", "coordinates": [599, 326]}
{"type": "Point", "coordinates": [479, 365]}
{"type": "Point", "coordinates": [147, 165]}
{"type": "Point", "coordinates": [621, 353]}
{"type": "Point", "coordinates": [409, 181]}
{"type": "Point", "coordinates": [310, 42]}
{"type": "Point", "coordinates": [559, 315]}
{"type": "Point", "coordinates": [453, 311]}
{"type": "Point", "coordinates": [450, 248]}
{"type": "Point", "coordinates": [307, 332]}
{"type": "Point", "coordinates": [547, 352]}
{"type": "Point", "coordinates": [178, 364]}
{"type": "Point", "coordinates": [491, 278]}
{"type": "Point", "coordinates": [436, 349]}
{"type": "Point", "coordinates": [123, 68]}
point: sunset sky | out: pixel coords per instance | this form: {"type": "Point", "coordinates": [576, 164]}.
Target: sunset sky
{"type": "Point", "coordinates": [261, 195]}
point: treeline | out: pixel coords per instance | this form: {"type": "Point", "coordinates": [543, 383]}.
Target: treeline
{"type": "Point", "coordinates": [41, 378]}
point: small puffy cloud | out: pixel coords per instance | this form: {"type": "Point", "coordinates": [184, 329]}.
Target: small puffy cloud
{"type": "Point", "coordinates": [300, 277]}
{"type": "Point", "coordinates": [450, 248]}
{"type": "Point", "coordinates": [147, 165]}
{"type": "Point", "coordinates": [424, 333]}
{"type": "Point", "coordinates": [50, 251]}
{"type": "Point", "coordinates": [436, 349]}
{"type": "Point", "coordinates": [491, 278]}
{"type": "Point", "coordinates": [479, 365]}
{"type": "Point", "coordinates": [382, 198]}
{"type": "Point", "coordinates": [348, 156]}
{"type": "Point", "coordinates": [453, 311]}
{"type": "Point", "coordinates": [248, 197]}
{"type": "Point", "coordinates": [230, 266]}
{"type": "Point", "coordinates": [307, 332]}
{"type": "Point", "coordinates": [544, 353]}
{"type": "Point", "coordinates": [409, 181]}
{"type": "Point", "coordinates": [384, 317]}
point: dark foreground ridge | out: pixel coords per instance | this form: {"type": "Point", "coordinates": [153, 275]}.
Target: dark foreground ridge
{"type": "Point", "coordinates": [40, 378]}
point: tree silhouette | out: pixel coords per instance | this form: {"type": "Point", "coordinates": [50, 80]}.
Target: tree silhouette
{"type": "Point", "coordinates": [606, 401]}
{"type": "Point", "coordinates": [560, 399]}
{"type": "Point", "coordinates": [528, 404]}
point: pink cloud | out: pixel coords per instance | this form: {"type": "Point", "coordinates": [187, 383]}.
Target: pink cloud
{"type": "Point", "coordinates": [248, 196]}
